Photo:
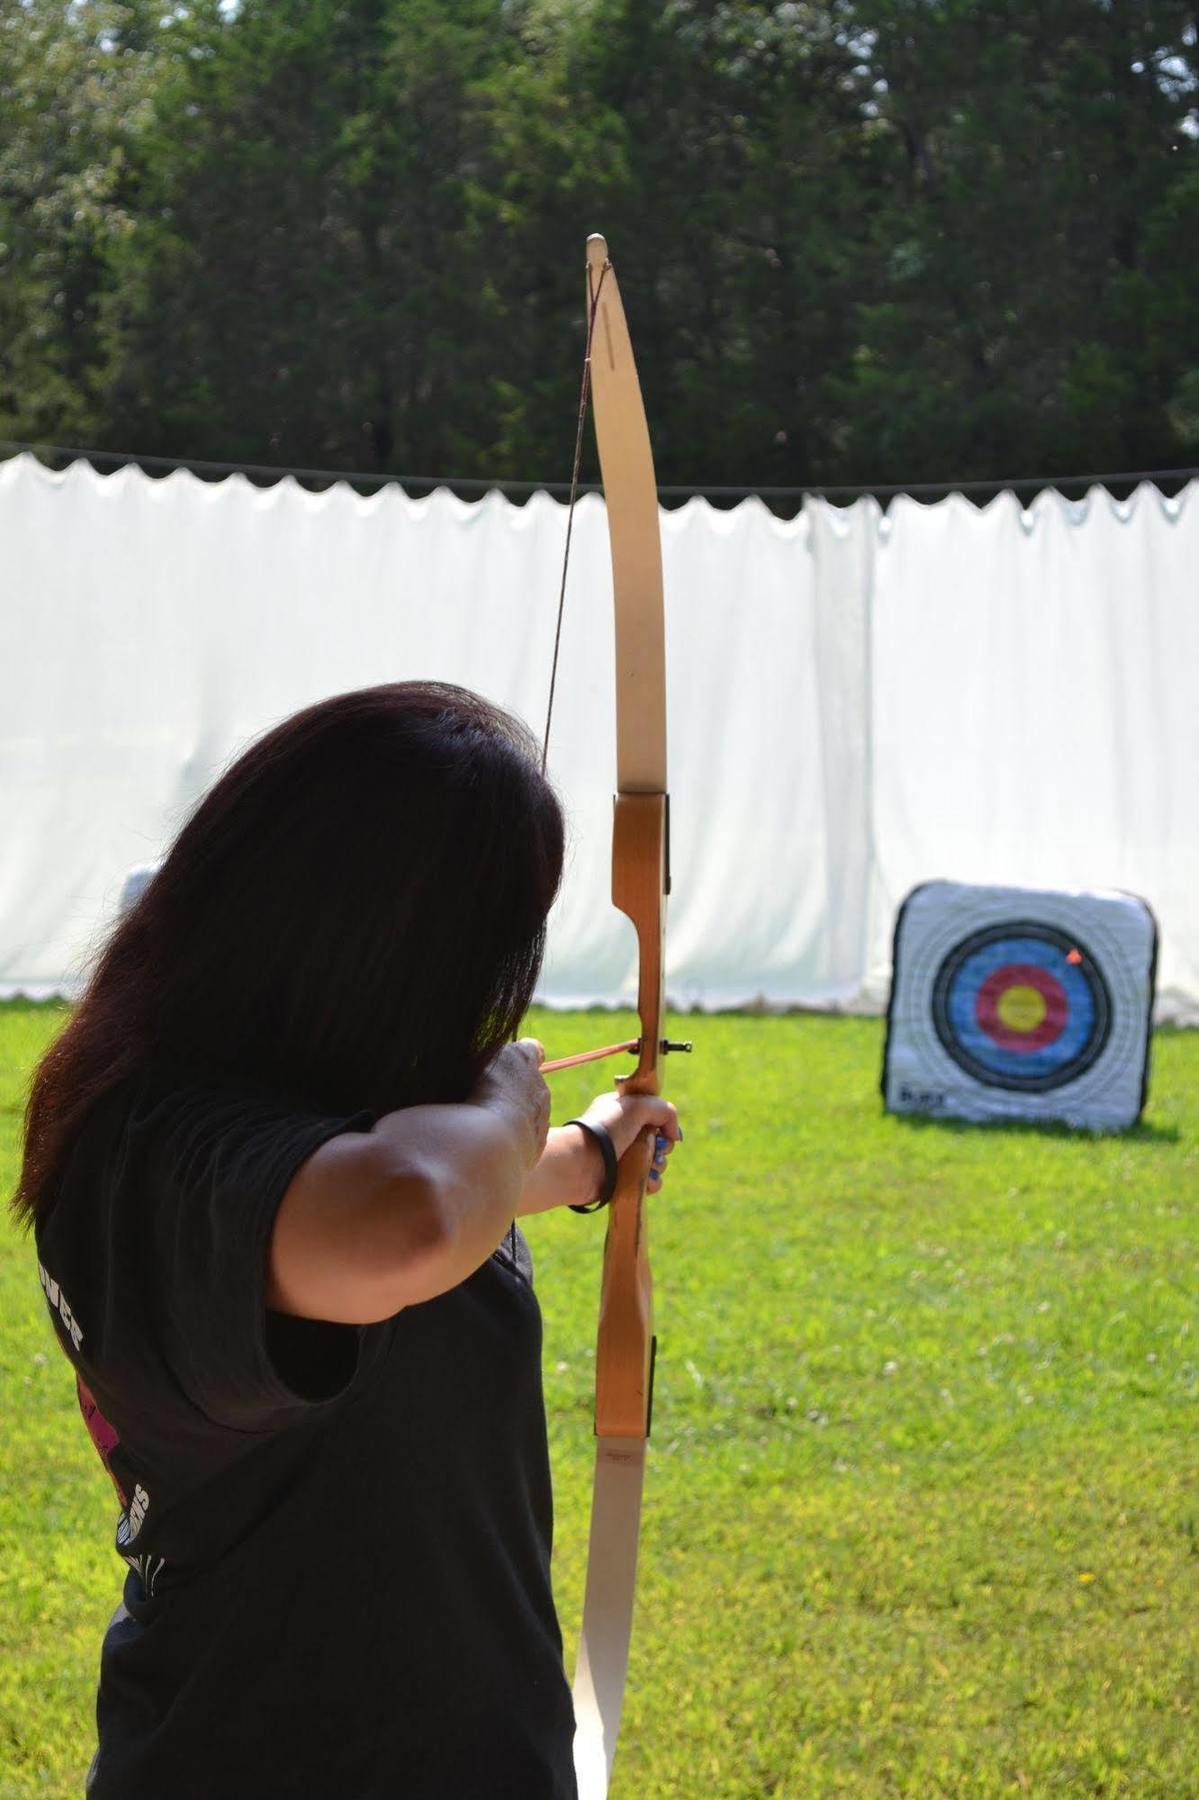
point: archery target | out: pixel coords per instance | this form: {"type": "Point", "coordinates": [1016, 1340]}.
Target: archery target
{"type": "Point", "coordinates": [1010, 1003]}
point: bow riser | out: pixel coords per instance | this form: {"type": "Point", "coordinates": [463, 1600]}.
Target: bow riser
{"type": "Point", "coordinates": [639, 891]}
{"type": "Point", "coordinates": [624, 1345]}
{"type": "Point", "coordinates": [625, 1342]}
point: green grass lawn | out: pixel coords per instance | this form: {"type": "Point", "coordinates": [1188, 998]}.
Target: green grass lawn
{"type": "Point", "coordinates": [922, 1510]}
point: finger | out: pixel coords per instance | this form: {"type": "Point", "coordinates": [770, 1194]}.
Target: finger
{"type": "Point", "coordinates": [660, 1114]}
{"type": "Point", "coordinates": [532, 1048]}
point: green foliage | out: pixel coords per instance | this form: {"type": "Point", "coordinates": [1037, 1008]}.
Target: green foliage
{"type": "Point", "coordinates": [1039, 143]}
{"type": "Point", "coordinates": [920, 1514]}
{"type": "Point", "coordinates": [301, 281]}
{"type": "Point", "coordinates": [73, 80]}
{"type": "Point", "coordinates": [912, 239]}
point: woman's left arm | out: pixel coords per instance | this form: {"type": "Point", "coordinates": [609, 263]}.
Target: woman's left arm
{"type": "Point", "coordinates": [571, 1169]}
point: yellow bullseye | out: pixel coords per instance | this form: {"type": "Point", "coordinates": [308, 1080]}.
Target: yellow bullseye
{"type": "Point", "coordinates": [1021, 1008]}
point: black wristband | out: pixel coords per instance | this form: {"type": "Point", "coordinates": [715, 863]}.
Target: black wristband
{"type": "Point", "coordinates": [608, 1151]}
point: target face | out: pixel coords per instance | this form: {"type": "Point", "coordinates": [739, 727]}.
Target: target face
{"type": "Point", "coordinates": [1020, 1004]}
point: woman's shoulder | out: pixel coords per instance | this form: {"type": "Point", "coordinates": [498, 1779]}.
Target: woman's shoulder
{"type": "Point", "coordinates": [175, 1122]}
{"type": "Point", "coordinates": [159, 1228]}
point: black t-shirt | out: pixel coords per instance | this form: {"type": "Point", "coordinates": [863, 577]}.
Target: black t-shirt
{"type": "Point", "coordinates": [338, 1537]}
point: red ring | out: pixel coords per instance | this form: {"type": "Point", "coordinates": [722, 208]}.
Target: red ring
{"type": "Point", "coordinates": [1057, 1007]}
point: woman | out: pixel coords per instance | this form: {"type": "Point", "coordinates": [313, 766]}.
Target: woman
{"type": "Point", "coordinates": [273, 1163]}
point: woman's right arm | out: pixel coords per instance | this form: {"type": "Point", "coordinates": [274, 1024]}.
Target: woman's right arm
{"type": "Point", "coordinates": [376, 1221]}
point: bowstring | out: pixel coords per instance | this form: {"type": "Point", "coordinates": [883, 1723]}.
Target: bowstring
{"type": "Point", "coordinates": [584, 396]}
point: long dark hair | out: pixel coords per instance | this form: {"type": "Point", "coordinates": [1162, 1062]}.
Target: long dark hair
{"type": "Point", "coordinates": [354, 916]}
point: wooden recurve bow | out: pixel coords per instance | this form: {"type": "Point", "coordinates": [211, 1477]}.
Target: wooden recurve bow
{"type": "Point", "coordinates": [640, 882]}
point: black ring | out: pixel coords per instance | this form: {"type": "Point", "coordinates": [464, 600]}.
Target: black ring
{"type": "Point", "coordinates": [608, 1152]}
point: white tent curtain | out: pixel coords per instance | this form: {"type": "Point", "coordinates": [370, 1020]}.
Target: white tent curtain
{"type": "Point", "coordinates": [858, 701]}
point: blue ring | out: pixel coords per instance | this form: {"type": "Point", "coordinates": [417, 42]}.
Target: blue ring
{"type": "Point", "coordinates": [968, 965]}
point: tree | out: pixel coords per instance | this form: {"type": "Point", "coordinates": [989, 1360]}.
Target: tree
{"type": "Point", "coordinates": [301, 280]}
{"type": "Point", "coordinates": [73, 81]}
{"type": "Point", "coordinates": [860, 240]}
{"type": "Point", "coordinates": [1030, 146]}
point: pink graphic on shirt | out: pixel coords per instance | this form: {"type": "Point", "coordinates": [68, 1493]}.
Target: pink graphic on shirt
{"type": "Point", "coordinates": [102, 1434]}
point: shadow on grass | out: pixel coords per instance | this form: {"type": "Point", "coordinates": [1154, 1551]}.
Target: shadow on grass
{"type": "Point", "coordinates": [1140, 1133]}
